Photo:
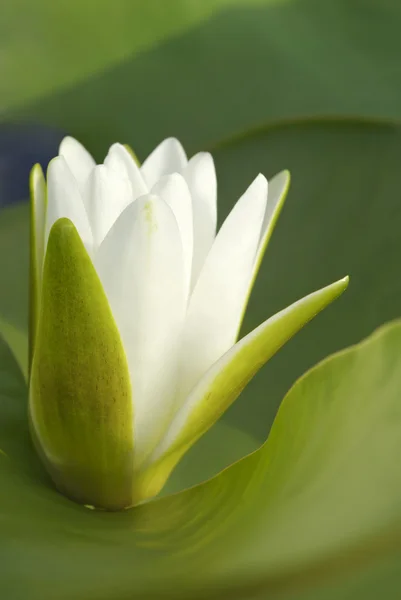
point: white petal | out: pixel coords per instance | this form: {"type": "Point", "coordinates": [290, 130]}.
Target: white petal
{"type": "Point", "coordinates": [140, 264]}
{"type": "Point", "coordinates": [200, 176]}
{"type": "Point", "coordinates": [78, 159]}
{"type": "Point", "coordinates": [216, 304]}
{"type": "Point", "coordinates": [278, 188]}
{"type": "Point", "coordinates": [106, 194]}
{"type": "Point", "coordinates": [64, 199]}
{"type": "Point", "coordinates": [120, 160]}
{"type": "Point", "coordinates": [174, 190]}
{"type": "Point", "coordinates": [225, 380]}
{"type": "Point", "coordinates": [168, 157]}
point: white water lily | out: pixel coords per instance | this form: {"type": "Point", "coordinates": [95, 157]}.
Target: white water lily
{"type": "Point", "coordinates": [136, 306]}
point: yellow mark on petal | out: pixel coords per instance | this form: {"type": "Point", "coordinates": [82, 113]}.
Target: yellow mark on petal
{"type": "Point", "coordinates": [148, 211]}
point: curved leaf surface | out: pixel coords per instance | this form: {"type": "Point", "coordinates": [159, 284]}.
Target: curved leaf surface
{"type": "Point", "coordinates": [319, 502]}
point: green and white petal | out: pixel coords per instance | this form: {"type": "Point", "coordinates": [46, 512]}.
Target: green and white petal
{"type": "Point", "coordinates": [37, 186]}
{"type": "Point", "coordinates": [168, 157]}
{"type": "Point", "coordinates": [107, 192]}
{"type": "Point", "coordinates": [200, 176]}
{"type": "Point", "coordinates": [223, 383]}
{"type": "Point", "coordinates": [64, 199]}
{"type": "Point", "coordinates": [141, 266]}
{"type": "Point", "coordinates": [278, 189]}
{"type": "Point", "coordinates": [80, 401]}
{"type": "Point", "coordinates": [174, 190]}
{"type": "Point", "coordinates": [132, 154]}
{"type": "Point", "coordinates": [216, 304]}
{"type": "Point", "coordinates": [78, 159]}
{"type": "Point", "coordinates": [121, 160]}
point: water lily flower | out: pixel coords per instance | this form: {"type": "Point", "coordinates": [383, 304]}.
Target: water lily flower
{"type": "Point", "coordinates": [136, 306]}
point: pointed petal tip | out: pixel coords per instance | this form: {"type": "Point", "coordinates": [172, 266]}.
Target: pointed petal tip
{"type": "Point", "coordinates": [119, 147]}
{"type": "Point", "coordinates": [167, 181]}
{"type": "Point", "coordinates": [171, 140]}
{"type": "Point", "coordinates": [284, 177]}
{"type": "Point", "coordinates": [172, 144]}
{"type": "Point", "coordinates": [123, 150]}
{"type": "Point", "coordinates": [63, 223]}
{"type": "Point", "coordinates": [261, 181]}
{"type": "Point", "coordinates": [36, 170]}
{"type": "Point", "coordinates": [259, 186]}
{"type": "Point", "coordinates": [203, 156]}
{"type": "Point", "coordinates": [54, 164]}
{"type": "Point", "coordinates": [67, 140]}
{"type": "Point", "coordinates": [334, 290]}
{"type": "Point", "coordinates": [261, 178]}
{"type": "Point", "coordinates": [35, 176]}
{"type": "Point", "coordinates": [58, 168]}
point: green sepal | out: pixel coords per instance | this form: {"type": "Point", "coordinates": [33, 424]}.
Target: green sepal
{"type": "Point", "coordinates": [80, 403]}
{"type": "Point", "coordinates": [38, 197]}
{"type": "Point", "coordinates": [223, 383]}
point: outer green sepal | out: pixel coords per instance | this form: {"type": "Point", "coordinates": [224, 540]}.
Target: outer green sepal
{"type": "Point", "coordinates": [223, 383]}
{"type": "Point", "coordinates": [80, 392]}
{"type": "Point", "coordinates": [38, 195]}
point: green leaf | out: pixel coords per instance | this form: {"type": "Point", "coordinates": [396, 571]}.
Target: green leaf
{"type": "Point", "coordinates": [80, 398]}
{"type": "Point", "coordinates": [15, 440]}
{"type": "Point", "coordinates": [320, 500]}
{"type": "Point", "coordinates": [104, 34]}
{"type": "Point", "coordinates": [18, 343]}
{"type": "Point", "coordinates": [14, 266]}
{"type": "Point", "coordinates": [198, 70]}
{"type": "Point", "coordinates": [14, 278]}
{"type": "Point", "coordinates": [221, 446]}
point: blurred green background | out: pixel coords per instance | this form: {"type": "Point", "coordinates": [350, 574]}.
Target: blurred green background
{"type": "Point", "coordinates": [309, 85]}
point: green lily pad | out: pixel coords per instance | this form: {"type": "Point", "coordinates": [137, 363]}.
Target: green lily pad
{"type": "Point", "coordinates": [316, 511]}
{"type": "Point", "coordinates": [322, 496]}
{"type": "Point", "coordinates": [14, 269]}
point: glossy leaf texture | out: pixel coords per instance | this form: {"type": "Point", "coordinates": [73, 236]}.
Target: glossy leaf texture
{"type": "Point", "coordinates": [318, 503]}
{"type": "Point", "coordinates": [198, 70]}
